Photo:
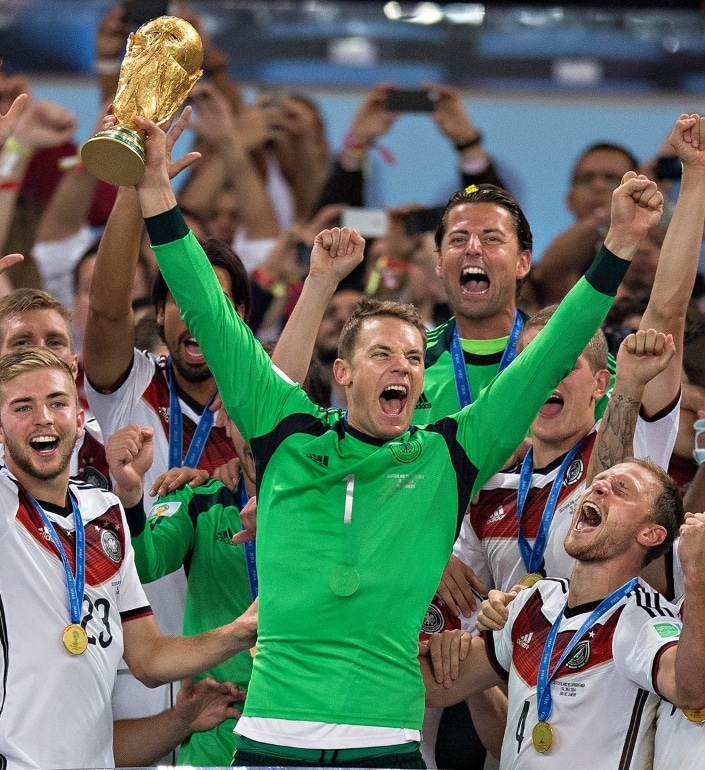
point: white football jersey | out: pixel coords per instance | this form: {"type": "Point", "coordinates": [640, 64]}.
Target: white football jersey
{"type": "Point", "coordinates": [488, 540]}
{"type": "Point", "coordinates": [55, 709]}
{"type": "Point", "coordinates": [604, 698]}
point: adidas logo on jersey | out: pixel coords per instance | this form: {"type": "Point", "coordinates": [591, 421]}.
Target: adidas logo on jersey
{"type": "Point", "coordinates": [525, 640]}
{"type": "Point", "coordinates": [321, 460]}
{"type": "Point", "coordinates": [423, 402]}
{"type": "Point", "coordinates": [498, 515]}
{"type": "Point", "coordinates": [225, 536]}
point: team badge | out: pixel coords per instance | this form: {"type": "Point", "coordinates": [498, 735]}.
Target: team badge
{"type": "Point", "coordinates": [580, 656]}
{"type": "Point", "coordinates": [406, 451]}
{"type": "Point", "coordinates": [93, 476]}
{"type": "Point", "coordinates": [164, 509]}
{"type": "Point", "coordinates": [574, 472]}
{"type": "Point", "coordinates": [433, 620]}
{"type": "Point", "coordinates": [111, 545]}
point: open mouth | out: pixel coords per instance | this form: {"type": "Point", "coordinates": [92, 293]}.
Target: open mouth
{"type": "Point", "coordinates": [552, 407]}
{"type": "Point", "coordinates": [44, 445]}
{"type": "Point", "coordinates": [589, 518]}
{"type": "Point", "coordinates": [393, 399]}
{"type": "Point", "coordinates": [192, 351]}
{"type": "Point", "coordinates": [474, 280]}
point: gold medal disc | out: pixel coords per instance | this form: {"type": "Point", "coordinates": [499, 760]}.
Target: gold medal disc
{"type": "Point", "coordinates": [530, 579]}
{"type": "Point", "coordinates": [542, 737]}
{"type": "Point", "coordinates": [75, 639]}
{"type": "Point", "coordinates": [694, 715]}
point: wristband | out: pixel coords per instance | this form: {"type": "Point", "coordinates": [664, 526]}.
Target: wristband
{"type": "Point", "coordinates": [15, 147]}
{"type": "Point", "coordinates": [13, 152]}
{"type": "Point", "coordinates": [351, 143]}
{"type": "Point", "coordinates": [359, 148]}
{"type": "Point", "coordinates": [10, 185]}
{"type": "Point", "coordinates": [474, 142]}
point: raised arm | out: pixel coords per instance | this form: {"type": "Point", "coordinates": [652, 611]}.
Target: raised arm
{"type": "Point", "coordinates": [68, 207]}
{"type": "Point", "coordinates": [680, 676]}
{"type": "Point", "coordinates": [335, 253]}
{"type": "Point", "coordinates": [110, 326]}
{"type": "Point", "coordinates": [641, 358]}
{"type": "Point", "coordinates": [514, 397]}
{"type": "Point", "coordinates": [233, 138]}
{"type": "Point", "coordinates": [345, 182]}
{"type": "Point", "coordinates": [302, 150]}
{"type": "Point", "coordinates": [109, 336]}
{"type": "Point", "coordinates": [678, 262]}
{"type": "Point", "coordinates": [475, 163]}
{"type": "Point", "coordinates": [9, 119]}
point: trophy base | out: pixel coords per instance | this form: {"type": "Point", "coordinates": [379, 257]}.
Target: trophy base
{"type": "Point", "coordinates": [116, 156]}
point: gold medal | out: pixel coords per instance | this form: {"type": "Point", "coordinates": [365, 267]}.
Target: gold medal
{"type": "Point", "coordinates": [530, 579]}
{"type": "Point", "coordinates": [75, 639]}
{"type": "Point", "coordinates": [542, 737]}
{"type": "Point", "coordinates": [694, 715]}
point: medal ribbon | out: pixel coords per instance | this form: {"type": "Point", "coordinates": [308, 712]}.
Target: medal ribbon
{"type": "Point", "coordinates": [249, 546]}
{"type": "Point", "coordinates": [176, 427]}
{"type": "Point", "coordinates": [460, 373]}
{"type": "Point", "coordinates": [74, 584]}
{"type": "Point", "coordinates": [533, 558]}
{"type": "Point", "coordinates": [544, 702]}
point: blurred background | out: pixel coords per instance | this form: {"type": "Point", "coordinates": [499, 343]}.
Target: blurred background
{"type": "Point", "coordinates": [541, 80]}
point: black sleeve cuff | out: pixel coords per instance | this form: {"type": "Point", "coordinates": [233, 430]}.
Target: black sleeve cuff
{"type": "Point", "coordinates": [136, 518]}
{"type": "Point", "coordinates": [606, 272]}
{"type": "Point", "coordinates": [166, 227]}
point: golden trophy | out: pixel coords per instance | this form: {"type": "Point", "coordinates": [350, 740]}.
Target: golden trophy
{"type": "Point", "coordinates": [162, 64]}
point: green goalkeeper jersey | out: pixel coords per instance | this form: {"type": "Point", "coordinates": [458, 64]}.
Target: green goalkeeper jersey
{"type": "Point", "coordinates": [353, 532]}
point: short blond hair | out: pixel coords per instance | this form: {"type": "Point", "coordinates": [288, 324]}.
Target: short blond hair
{"type": "Point", "coordinates": [33, 359]}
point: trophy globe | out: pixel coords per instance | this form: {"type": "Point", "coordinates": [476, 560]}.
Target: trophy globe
{"type": "Point", "coordinates": [161, 65]}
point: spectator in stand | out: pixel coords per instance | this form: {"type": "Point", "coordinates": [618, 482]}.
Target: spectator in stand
{"type": "Point", "coordinates": [373, 120]}
{"type": "Point", "coordinates": [595, 175]}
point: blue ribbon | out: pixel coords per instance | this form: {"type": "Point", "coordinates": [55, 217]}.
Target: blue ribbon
{"type": "Point", "coordinates": [544, 702]}
{"type": "Point", "coordinates": [176, 427]}
{"type": "Point", "coordinates": [74, 584]}
{"type": "Point", "coordinates": [462, 383]}
{"type": "Point", "coordinates": [249, 546]}
{"type": "Point", "coordinates": [533, 558]}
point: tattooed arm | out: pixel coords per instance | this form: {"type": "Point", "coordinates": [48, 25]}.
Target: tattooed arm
{"type": "Point", "coordinates": [640, 358]}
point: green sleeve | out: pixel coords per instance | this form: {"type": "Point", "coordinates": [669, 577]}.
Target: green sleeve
{"type": "Point", "coordinates": [255, 394]}
{"type": "Point", "coordinates": [161, 547]}
{"type": "Point", "coordinates": [495, 424]}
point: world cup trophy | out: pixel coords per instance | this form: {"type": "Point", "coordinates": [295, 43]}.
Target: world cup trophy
{"type": "Point", "coordinates": [161, 65]}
